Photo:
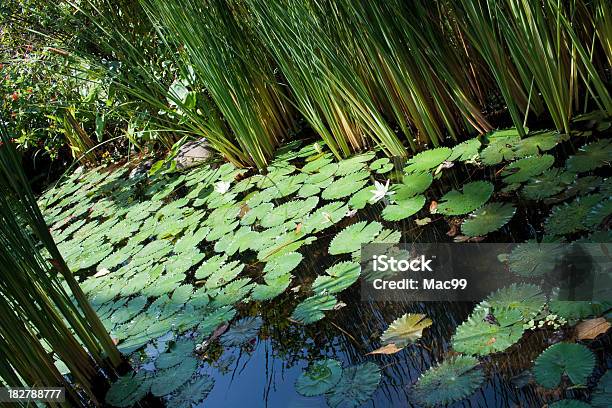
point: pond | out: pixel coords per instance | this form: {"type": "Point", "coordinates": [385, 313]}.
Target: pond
{"type": "Point", "coordinates": [227, 288]}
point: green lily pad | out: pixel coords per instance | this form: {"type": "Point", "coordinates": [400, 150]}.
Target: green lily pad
{"type": "Point", "coordinates": [603, 392]}
{"type": "Point", "coordinates": [192, 392]}
{"type": "Point", "coordinates": [351, 238]}
{"type": "Point", "coordinates": [473, 196]}
{"type": "Point", "coordinates": [320, 377]}
{"type": "Point", "coordinates": [487, 218]}
{"type": "Point", "coordinates": [128, 390]}
{"type": "Point", "coordinates": [242, 331]}
{"type": "Point", "coordinates": [311, 309]}
{"type": "Point", "coordinates": [356, 386]}
{"type": "Point", "coordinates": [403, 209]}
{"type": "Point", "coordinates": [591, 156]}
{"type": "Point", "coordinates": [573, 360]}
{"type": "Point", "coordinates": [337, 278]}
{"type": "Point", "coordinates": [479, 336]}
{"type": "Point", "coordinates": [427, 160]}
{"type": "Point", "coordinates": [547, 184]}
{"type": "Point", "coordinates": [406, 329]}
{"type": "Point", "coordinates": [345, 186]}
{"type": "Point", "coordinates": [170, 379]}
{"type": "Point", "coordinates": [531, 259]}
{"type": "Point", "coordinates": [569, 218]}
{"type": "Point", "coordinates": [526, 168]}
{"type": "Point", "coordinates": [412, 184]}
{"type": "Point", "coordinates": [452, 380]}
{"type": "Point", "coordinates": [528, 299]}
{"type": "Point", "coordinates": [465, 151]}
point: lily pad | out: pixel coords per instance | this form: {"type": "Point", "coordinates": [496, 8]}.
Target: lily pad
{"type": "Point", "coordinates": [406, 329]}
{"type": "Point", "coordinates": [525, 168]}
{"type": "Point", "coordinates": [479, 336]}
{"type": "Point", "coordinates": [532, 259]}
{"type": "Point", "coordinates": [547, 184]}
{"type": "Point", "coordinates": [192, 392]}
{"type": "Point", "coordinates": [603, 392]}
{"type": "Point", "coordinates": [427, 160]}
{"type": "Point", "coordinates": [569, 218]}
{"type": "Point", "coordinates": [487, 218]}
{"type": "Point", "coordinates": [591, 156]}
{"type": "Point", "coordinates": [465, 151]}
{"type": "Point", "coordinates": [452, 380]}
{"type": "Point", "coordinates": [573, 360]}
{"type": "Point", "coordinates": [356, 386]}
{"type": "Point", "coordinates": [351, 238]}
{"type": "Point", "coordinates": [319, 378]}
{"type": "Point", "coordinates": [242, 331]}
{"type": "Point", "coordinates": [412, 184]}
{"type": "Point", "coordinates": [311, 309]}
{"type": "Point", "coordinates": [473, 195]}
{"type": "Point", "coordinates": [337, 278]}
{"type": "Point", "coordinates": [403, 209]}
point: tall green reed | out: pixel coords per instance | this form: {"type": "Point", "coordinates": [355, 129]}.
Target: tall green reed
{"type": "Point", "coordinates": [40, 300]}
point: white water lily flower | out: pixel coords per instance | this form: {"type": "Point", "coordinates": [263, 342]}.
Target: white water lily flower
{"type": "Point", "coordinates": [222, 187]}
{"type": "Point", "coordinates": [380, 191]}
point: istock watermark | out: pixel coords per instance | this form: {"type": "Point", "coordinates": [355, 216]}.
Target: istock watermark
{"type": "Point", "coordinates": [471, 271]}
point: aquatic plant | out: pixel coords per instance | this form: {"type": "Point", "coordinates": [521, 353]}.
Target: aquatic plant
{"type": "Point", "coordinates": [356, 386]}
{"type": "Point", "coordinates": [524, 169]}
{"type": "Point", "coordinates": [427, 160]}
{"type": "Point", "coordinates": [487, 218]}
{"type": "Point", "coordinates": [568, 218]}
{"type": "Point", "coordinates": [320, 377]}
{"type": "Point", "coordinates": [480, 335]}
{"type": "Point", "coordinates": [472, 196]}
{"type": "Point", "coordinates": [564, 359]}
{"type": "Point", "coordinates": [532, 259]}
{"type": "Point", "coordinates": [603, 392]}
{"type": "Point", "coordinates": [242, 331]}
{"type": "Point", "coordinates": [403, 208]}
{"type": "Point", "coordinates": [452, 380]}
{"type": "Point", "coordinates": [526, 298]}
{"type": "Point", "coordinates": [569, 403]}
{"type": "Point", "coordinates": [311, 309]}
{"type": "Point", "coordinates": [590, 156]}
{"type": "Point", "coordinates": [406, 329]}
{"type": "Point", "coordinates": [337, 278]}
{"type": "Point", "coordinates": [352, 237]}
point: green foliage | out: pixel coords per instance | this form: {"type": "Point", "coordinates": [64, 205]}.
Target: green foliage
{"type": "Point", "coordinates": [573, 360]}
{"type": "Point", "coordinates": [547, 184]}
{"type": "Point", "coordinates": [450, 381]}
{"type": "Point", "coordinates": [532, 259]}
{"type": "Point", "coordinates": [591, 156]}
{"type": "Point", "coordinates": [352, 237]}
{"type": "Point", "coordinates": [403, 208]}
{"type": "Point", "coordinates": [480, 336]}
{"type": "Point", "coordinates": [487, 218]}
{"type": "Point", "coordinates": [427, 160]}
{"type": "Point", "coordinates": [355, 387]}
{"type": "Point", "coordinates": [406, 329]}
{"type": "Point", "coordinates": [524, 169]}
{"type": "Point", "coordinates": [568, 218]}
{"type": "Point", "coordinates": [603, 392]}
{"type": "Point", "coordinates": [568, 403]}
{"type": "Point", "coordinates": [320, 377]}
{"type": "Point", "coordinates": [312, 308]}
{"type": "Point", "coordinates": [473, 195]}
{"type": "Point", "coordinates": [337, 278]}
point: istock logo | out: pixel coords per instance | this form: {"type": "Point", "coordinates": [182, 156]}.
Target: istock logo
{"type": "Point", "coordinates": [384, 263]}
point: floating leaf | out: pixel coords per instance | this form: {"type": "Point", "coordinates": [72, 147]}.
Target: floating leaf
{"type": "Point", "coordinates": [351, 238]}
{"type": "Point", "coordinates": [356, 386]}
{"type": "Point", "coordinates": [311, 309]}
{"type": "Point", "coordinates": [603, 392]}
{"type": "Point", "coordinates": [381, 166]}
{"type": "Point", "coordinates": [170, 379]}
{"type": "Point", "coordinates": [192, 392]}
{"type": "Point", "coordinates": [473, 196]}
{"type": "Point", "coordinates": [547, 184]}
{"type": "Point", "coordinates": [590, 329]}
{"type": "Point", "coordinates": [337, 278]}
{"type": "Point", "coordinates": [412, 184]}
{"type": "Point", "coordinates": [528, 299]}
{"type": "Point", "coordinates": [345, 186]}
{"type": "Point", "coordinates": [524, 169]}
{"type": "Point", "coordinates": [569, 218]}
{"type": "Point", "coordinates": [324, 217]}
{"type": "Point", "coordinates": [465, 151]}
{"type": "Point", "coordinates": [479, 336]}
{"type": "Point", "coordinates": [488, 218]}
{"type": "Point", "coordinates": [427, 160]}
{"type": "Point", "coordinates": [599, 213]}
{"type": "Point", "coordinates": [242, 331]}
{"type": "Point", "coordinates": [450, 381]}
{"type": "Point", "coordinates": [500, 146]}
{"type": "Point", "coordinates": [591, 156]}
{"type": "Point", "coordinates": [390, 348]}
{"type": "Point", "coordinates": [128, 390]}
{"type": "Point", "coordinates": [536, 144]}
{"type": "Point", "coordinates": [403, 209]}
{"type": "Point", "coordinates": [532, 259]}
{"type": "Point", "coordinates": [574, 360]}
{"type": "Point", "coordinates": [406, 329]}
{"type": "Point", "coordinates": [319, 378]}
